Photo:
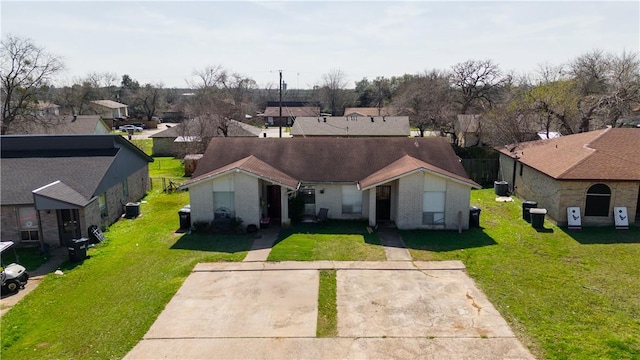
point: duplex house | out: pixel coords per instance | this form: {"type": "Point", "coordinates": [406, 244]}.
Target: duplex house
{"type": "Point", "coordinates": [351, 126]}
{"type": "Point", "coordinates": [55, 186]}
{"type": "Point", "coordinates": [595, 171]}
{"type": "Point", "coordinates": [414, 182]}
{"type": "Point", "coordinates": [187, 137]}
{"type": "Point", "coordinates": [290, 111]}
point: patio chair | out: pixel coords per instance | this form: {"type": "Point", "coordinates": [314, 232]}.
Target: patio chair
{"type": "Point", "coordinates": [322, 215]}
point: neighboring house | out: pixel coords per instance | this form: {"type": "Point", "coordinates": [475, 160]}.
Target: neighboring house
{"type": "Point", "coordinates": [109, 109]}
{"type": "Point", "coordinates": [186, 137]}
{"type": "Point", "coordinates": [373, 111]}
{"type": "Point", "coordinates": [47, 108]}
{"type": "Point", "coordinates": [596, 171]}
{"type": "Point", "coordinates": [68, 125]}
{"type": "Point", "coordinates": [351, 126]}
{"type": "Point", "coordinates": [414, 182]}
{"type": "Point", "coordinates": [467, 130]}
{"type": "Point", "coordinates": [55, 186]}
{"type": "Point", "coordinates": [290, 111]}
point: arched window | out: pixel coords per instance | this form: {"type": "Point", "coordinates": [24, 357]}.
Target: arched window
{"type": "Point", "coordinates": [598, 198]}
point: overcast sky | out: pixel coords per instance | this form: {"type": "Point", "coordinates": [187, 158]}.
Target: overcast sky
{"type": "Point", "coordinates": [165, 41]}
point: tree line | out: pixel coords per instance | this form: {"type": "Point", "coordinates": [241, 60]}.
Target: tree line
{"type": "Point", "coordinates": [591, 91]}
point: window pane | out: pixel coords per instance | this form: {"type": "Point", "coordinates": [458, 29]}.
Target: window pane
{"type": "Point", "coordinates": [28, 218]}
{"type": "Point", "coordinates": [598, 199]}
{"type": "Point", "coordinates": [223, 199]}
{"type": "Point", "coordinates": [433, 201]}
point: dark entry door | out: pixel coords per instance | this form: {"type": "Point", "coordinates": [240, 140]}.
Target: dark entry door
{"type": "Point", "coordinates": [273, 201]}
{"type": "Point", "coordinates": [68, 225]}
{"type": "Point", "coordinates": [638, 207]}
{"type": "Point", "coordinates": [383, 203]}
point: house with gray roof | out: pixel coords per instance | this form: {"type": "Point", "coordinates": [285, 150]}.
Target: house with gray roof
{"type": "Point", "coordinates": [595, 172]}
{"type": "Point", "coordinates": [416, 183]}
{"type": "Point", "coordinates": [190, 135]}
{"type": "Point", "coordinates": [351, 126]}
{"type": "Point", "coordinates": [110, 109]}
{"type": "Point", "coordinates": [55, 186]}
{"type": "Point", "coordinates": [66, 125]}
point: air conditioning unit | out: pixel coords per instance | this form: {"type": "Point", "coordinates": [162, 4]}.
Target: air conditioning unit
{"type": "Point", "coordinates": [132, 210]}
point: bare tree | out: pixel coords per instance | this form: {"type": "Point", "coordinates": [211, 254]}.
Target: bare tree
{"type": "Point", "coordinates": [148, 100]}
{"type": "Point", "coordinates": [428, 99]}
{"type": "Point", "coordinates": [477, 83]}
{"type": "Point", "coordinates": [221, 96]}
{"type": "Point", "coordinates": [333, 91]}
{"type": "Point", "coordinates": [26, 70]}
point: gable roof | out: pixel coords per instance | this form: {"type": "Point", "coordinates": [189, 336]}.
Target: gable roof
{"type": "Point", "coordinates": [332, 160]}
{"type": "Point", "coordinates": [78, 162]}
{"type": "Point", "coordinates": [292, 111]}
{"type": "Point", "coordinates": [68, 125]}
{"type": "Point", "coordinates": [191, 128]}
{"type": "Point", "coordinates": [109, 104]}
{"type": "Point", "coordinates": [609, 154]}
{"type": "Point", "coordinates": [404, 166]}
{"type": "Point", "coordinates": [255, 166]}
{"type": "Point", "coordinates": [351, 126]}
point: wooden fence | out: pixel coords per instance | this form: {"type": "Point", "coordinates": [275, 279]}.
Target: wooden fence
{"type": "Point", "coordinates": [482, 171]}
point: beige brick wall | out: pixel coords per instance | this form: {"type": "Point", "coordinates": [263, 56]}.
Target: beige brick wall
{"type": "Point", "coordinates": [556, 196]}
{"type": "Point", "coordinates": [410, 195]}
{"type": "Point", "coordinates": [247, 198]}
{"type": "Point", "coordinates": [201, 201]}
{"type": "Point", "coordinates": [163, 147]}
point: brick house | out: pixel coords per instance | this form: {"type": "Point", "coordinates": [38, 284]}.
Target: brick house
{"type": "Point", "coordinates": [413, 182]}
{"type": "Point", "coordinates": [596, 171]}
{"type": "Point", "coordinates": [62, 184]}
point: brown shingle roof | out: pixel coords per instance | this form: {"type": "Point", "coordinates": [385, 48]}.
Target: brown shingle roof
{"type": "Point", "coordinates": [327, 160]}
{"type": "Point", "coordinates": [293, 111]}
{"type": "Point", "coordinates": [347, 126]}
{"type": "Point", "coordinates": [609, 154]}
{"type": "Point", "coordinates": [66, 125]}
{"type": "Point", "coordinates": [252, 165]}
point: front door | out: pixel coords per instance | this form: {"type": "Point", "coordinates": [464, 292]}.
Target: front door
{"type": "Point", "coordinates": [68, 225]}
{"type": "Point", "coordinates": [638, 207]}
{"type": "Point", "coordinates": [273, 202]}
{"type": "Point", "coordinates": [383, 203]}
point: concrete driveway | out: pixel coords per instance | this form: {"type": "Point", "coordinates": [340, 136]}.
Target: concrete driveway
{"type": "Point", "coordinates": [428, 310]}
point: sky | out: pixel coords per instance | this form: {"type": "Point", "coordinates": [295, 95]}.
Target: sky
{"type": "Point", "coordinates": [164, 42]}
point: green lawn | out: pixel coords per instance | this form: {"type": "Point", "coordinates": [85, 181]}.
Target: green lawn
{"type": "Point", "coordinates": [327, 325]}
{"type": "Point", "coordinates": [101, 308]}
{"type": "Point", "coordinates": [336, 240]}
{"type": "Point", "coordinates": [567, 294]}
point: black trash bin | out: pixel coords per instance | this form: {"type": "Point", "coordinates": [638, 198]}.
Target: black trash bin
{"type": "Point", "coordinates": [185, 217]}
{"type": "Point", "coordinates": [77, 249]}
{"type": "Point", "coordinates": [501, 188]}
{"type": "Point", "coordinates": [537, 217]}
{"type": "Point", "coordinates": [526, 206]}
{"type": "Point", "coordinates": [474, 217]}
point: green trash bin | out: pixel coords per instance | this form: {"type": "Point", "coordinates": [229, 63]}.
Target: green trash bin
{"type": "Point", "coordinates": [537, 217]}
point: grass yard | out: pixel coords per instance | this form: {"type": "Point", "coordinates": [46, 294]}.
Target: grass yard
{"type": "Point", "coordinates": [101, 308]}
{"type": "Point", "coordinates": [567, 294]}
{"type": "Point", "coordinates": [327, 325]}
{"type": "Point", "coordinates": [335, 240]}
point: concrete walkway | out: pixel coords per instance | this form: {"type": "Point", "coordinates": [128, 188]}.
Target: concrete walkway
{"type": "Point", "coordinates": [262, 244]}
{"type": "Point", "coordinates": [56, 257]}
{"type": "Point", "coordinates": [394, 247]}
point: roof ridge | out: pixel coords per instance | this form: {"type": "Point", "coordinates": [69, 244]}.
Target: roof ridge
{"type": "Point", "coordinates": [586, 147]}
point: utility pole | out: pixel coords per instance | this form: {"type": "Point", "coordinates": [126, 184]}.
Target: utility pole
{"type": "Point", "coordinates": [280, 120]}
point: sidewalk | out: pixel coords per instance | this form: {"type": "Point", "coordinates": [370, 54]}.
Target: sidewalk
{"type": "Point", "coordinates": [56, 257]}
{"type": "Point", "coordinates": [394, 247]}
{"type": "Point", "coordinates": [262, 245]}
